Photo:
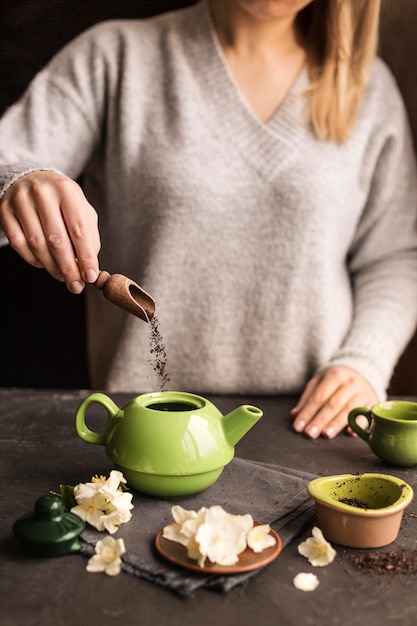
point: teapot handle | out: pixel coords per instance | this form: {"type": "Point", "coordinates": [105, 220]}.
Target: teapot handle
{"type": "Point", "coordinates": [82, 429]}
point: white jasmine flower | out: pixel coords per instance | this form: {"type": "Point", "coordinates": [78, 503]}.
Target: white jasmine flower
{"type": "Point", "coordinates": [120, 515]}
{"type": "Point", "coordinates": [222, 536]}
{"type": "Point", "coordinates": [306, 582]}
{"type": "Point", "coordinates": [102, 503]}
{"type": "Point", "coordinates": [258, 538]}
{"type": "Point", "coordinates": [190, 526]}
{"type": "Point", "coordinates": [107, 558]}
{"type": "Point", "coordinates": [317, 550]}
{"type": "Point", "coordinates": [213, 534]}
{"type": "Point", "coordinates": [90, 509]}
{"type": "Point", "coordinates": [185, 529]}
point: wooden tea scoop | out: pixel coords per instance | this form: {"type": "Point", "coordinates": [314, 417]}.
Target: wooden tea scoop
{"type": "Point", "coordinates": [126, 294]}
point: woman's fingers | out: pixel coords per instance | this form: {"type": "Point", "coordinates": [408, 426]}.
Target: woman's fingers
{"type": "Point", "coordinates": [50, 223]}
{"type": "Point", "coordinates": [17, 238]}
{"type": "Point", "coordinates": [82, 226]}
{"type": "Point", "coordinates": [324, 406]}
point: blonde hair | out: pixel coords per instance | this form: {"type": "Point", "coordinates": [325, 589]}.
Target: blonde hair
{"type": "Point", "coordinates": [340, 37]}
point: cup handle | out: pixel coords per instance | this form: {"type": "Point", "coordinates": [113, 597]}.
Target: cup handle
{"type": "Point", "coordinates": [82, 429]}
{"type": "Point", "coordinates": [364, 434]}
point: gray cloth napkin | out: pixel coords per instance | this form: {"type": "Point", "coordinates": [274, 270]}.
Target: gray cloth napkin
{"type": "Point", "coordinates": [271, 494]}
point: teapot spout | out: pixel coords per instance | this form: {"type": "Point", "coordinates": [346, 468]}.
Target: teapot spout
{"type": "Point", "coordinates": [237, 423]}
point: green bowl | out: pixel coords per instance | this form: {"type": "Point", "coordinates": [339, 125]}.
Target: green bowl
{"type": "Point", "coordinates": [360, 510]}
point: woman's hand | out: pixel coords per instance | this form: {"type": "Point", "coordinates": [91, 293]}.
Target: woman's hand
{"type": "Point", "coordinates": [327, 399]}
{"type": "Point", "coordinates": [49, 222]}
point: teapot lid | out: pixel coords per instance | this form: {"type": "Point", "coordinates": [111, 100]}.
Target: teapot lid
{"type": "Point", "coordinates": [49, 530]}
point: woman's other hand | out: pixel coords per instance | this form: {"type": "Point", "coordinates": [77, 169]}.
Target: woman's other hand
{"type": "Point", "coordinates": [324, 405]}
{"type": "Point", "coordinates": [49, 222]}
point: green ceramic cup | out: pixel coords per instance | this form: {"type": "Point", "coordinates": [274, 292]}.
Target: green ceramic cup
{"type": "Point", "coordinates": [391, 432]}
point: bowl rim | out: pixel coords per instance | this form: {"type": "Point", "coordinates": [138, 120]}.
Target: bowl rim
{"type": "Point", "coordinates": [407, 494]}
{"type": "Point", "coordinates": [386, 405]}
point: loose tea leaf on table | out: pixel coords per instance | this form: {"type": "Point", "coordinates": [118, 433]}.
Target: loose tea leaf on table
{"type": "Point", "coordinates": [385, 562]}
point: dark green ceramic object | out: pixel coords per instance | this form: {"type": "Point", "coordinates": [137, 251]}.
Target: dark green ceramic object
{"type": "Point", "coordinates": [49, 530]}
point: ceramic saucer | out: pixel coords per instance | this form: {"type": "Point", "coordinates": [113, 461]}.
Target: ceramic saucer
{"type": "Point", "coordinates": [248, 560]}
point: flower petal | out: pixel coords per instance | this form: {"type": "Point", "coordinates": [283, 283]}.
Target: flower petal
{"type": "Point", "coordinates": [222, 536]}
{"type": "Point", "coordinates": [95, 564]}
{"type": "Point", "coordinates": [306, 581]}
{"type": "Point", "coordinates": [318, 534]}
{"type": "Point", "coordinates": [317, 550]}
{"type": "Point", "coordinates": [172, 532]}
{"type": "Point", "coordinates": [114, 567]}
{"type": "Point", "coordinates": [258, 538]}
{"type": "Point", "coordinates": [180, 515]}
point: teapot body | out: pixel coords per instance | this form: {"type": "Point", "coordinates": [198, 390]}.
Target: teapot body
{"type": "Point", "coordinates": [169, 433]}
{"type": "Point", "coordinates": [166, 443]}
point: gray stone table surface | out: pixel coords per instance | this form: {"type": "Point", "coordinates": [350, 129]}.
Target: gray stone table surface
{"type": "Point", "coordinates": [40, 450]}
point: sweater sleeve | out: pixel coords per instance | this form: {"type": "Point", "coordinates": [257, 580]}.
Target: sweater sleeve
{"type": "Point", "coordinates": [383, 255]}
{"type": "Point", "coordinates": [58, 121]}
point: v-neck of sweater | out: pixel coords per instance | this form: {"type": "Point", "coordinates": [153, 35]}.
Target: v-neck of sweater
{"type": "Point", "coordinates": [262, 143]}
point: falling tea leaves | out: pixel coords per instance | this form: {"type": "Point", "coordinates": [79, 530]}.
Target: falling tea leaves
{"type": "Point", "coordinates": [158, 352]}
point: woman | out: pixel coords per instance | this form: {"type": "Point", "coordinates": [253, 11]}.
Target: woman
{"type": "Point", "coordinates": [251, 167]}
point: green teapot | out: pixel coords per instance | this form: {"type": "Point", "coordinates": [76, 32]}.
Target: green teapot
{"type": "Point", "coordinates": [168, 443]}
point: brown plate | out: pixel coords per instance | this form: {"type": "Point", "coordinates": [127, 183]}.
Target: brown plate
{"type": "Point", "coordinates": [248, 560]}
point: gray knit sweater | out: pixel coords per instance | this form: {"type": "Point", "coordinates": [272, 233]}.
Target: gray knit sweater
{"type": "Point", "coordinates": [270, 254]}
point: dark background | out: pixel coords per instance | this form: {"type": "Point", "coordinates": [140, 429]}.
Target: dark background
{"type": "Point", "coordinates": [42, 325]}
